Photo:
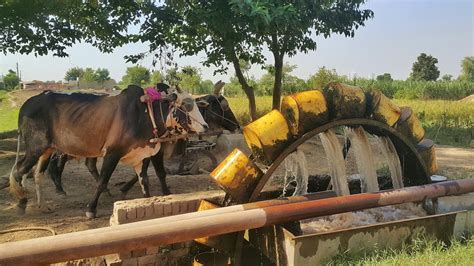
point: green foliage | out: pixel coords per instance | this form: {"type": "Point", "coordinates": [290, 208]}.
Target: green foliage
{"type": "Point", "coordinates": [156, 77]}
{"type": "Point", "coordinates": [420, 252]}
{"type": "Point", "coordinates": [74, 73]}
{"type": "Point", "coordinates": [425, 68]}
{"type": "Point", "coordinates": [291, 84]}
{"type": "Point", "coordinates": [10, 80]}
{"type": "Point", "coordinates": [136, 75]}
{"type": "Point", "coordinates": [41, 27]}
{"type": "Point", "coordinates": [467, 72]}
{"type": "Point", "coordinates": [102, 74]}
{"type": "Point", "coordinates": [190, 79]}
{"type": "Point", "coordinates": [88, 75]}
{"type": "Point", "coordinates": [322, 77]}
{"type": "Point", "coordinates": [206, 87]}
{"type": "Point", "coordinates": [384, 77]}
{"type": "Point", "coordinates": [447, 77]}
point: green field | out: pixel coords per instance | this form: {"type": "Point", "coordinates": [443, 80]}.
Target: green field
{"type": "Point", "coordinates": [8, 114]}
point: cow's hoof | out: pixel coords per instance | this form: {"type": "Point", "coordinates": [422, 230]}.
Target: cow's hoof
{"type": "Point", "coordinates": [165, 193]}
{"type": "Point", "coordinates": [90, 215]}
{"type": "Point", "coordinates": [45, 209]}
{"type": "Point", "coordinates": [61, 194]}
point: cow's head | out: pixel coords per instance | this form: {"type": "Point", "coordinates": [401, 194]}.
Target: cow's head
{"type": "Point", "coordinates": [184, 115]}
{"type": "Point", "coordinates": [216, 110]}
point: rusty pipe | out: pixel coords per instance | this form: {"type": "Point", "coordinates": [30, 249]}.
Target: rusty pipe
{"type": "Point", "coordinates": [125, 238]}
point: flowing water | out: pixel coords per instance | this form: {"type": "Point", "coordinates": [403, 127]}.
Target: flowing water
{"type": "Point", "coordinates": [361, 218]}
{"type": "Point", "coordinates": [364, 159]}
{"type": "Point", "coordinates": [296, 170]}
{"type": "Point", "coordinates": [337, 165]}
{"type": "Point", "coordinates": [391, 156]}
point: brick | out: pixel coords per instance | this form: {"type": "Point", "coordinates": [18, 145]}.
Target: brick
{"type": "Point", "coordinates": [140, 212]}
{"type": "Point", "coordinates": [125, 255]}
{"type": "Point", "coordinates": [167, 209]}
{"type": "Point", "coordinates": [183, 208]}
{"type": "Point", "coordinates": [115, 263]}
{"type": "Point", "coordinates": [162, 260]}
{"type": "Point", "coordinates": [149, 212]}
{"type": "Point", "coordinates": [120, 215]}
{"type": "Point", "coordinates": [179, 253]}
{"type": "Point", "coordinates": [152, 250]}
{"type": "Point", "coordinates": [193, 205]}
{"type": "Point", "coordinates": [139, 253]}
{"type": "Point", "coordinates": [175, 207]}
{"type": "Point", "coordinates": [158, 209]}
{"type": "Point", "coordinates": [132, 214]}
{"type": "Point", "coordinates": [146, 259]}
{"type": "Point", "coordinates": [130, 262]}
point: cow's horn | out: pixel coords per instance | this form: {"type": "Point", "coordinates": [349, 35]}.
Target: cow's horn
{"type": "Point", "coordinates": [218, 87]}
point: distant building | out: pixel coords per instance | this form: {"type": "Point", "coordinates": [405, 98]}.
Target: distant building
{"type": "Point", "coordinates": [42, 85]}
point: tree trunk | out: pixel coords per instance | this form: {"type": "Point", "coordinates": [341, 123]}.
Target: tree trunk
{"type": "Point", "coordinates": [278, 80]}
{"type": "Point", "coordinates": [246, 87]}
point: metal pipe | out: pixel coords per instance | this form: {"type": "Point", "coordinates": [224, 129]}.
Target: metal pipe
{"type": "Point", "coordinates": [125, 238]}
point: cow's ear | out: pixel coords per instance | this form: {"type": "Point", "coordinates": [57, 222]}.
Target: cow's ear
{"type": "Point", "coordinates": [202, 104]}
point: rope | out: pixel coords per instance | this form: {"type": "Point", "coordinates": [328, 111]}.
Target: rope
{"type": "Point", "coordinates": [28, 229]}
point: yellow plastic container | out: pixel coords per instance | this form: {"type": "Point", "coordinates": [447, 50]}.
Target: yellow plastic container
{"type": "Point", "coordinates": [383, 109]}
{"type": "Point", "coordinates": [410, 126]}
{"type": "Point", "coordinates": [268, 136]}
{"type": "Point", "coordinates": [345, 101]}
{"type": "Point", "coordinates": [237, 175]}
{"type": "Point", "coordinates": [222, 242]}
{"type": "Point", "coordinates": [426, 148]}
{"type": "Point", "coordinates": [304, 111]}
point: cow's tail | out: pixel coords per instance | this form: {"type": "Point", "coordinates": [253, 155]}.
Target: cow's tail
{"type": "Point", "coordinates": [15, 188]}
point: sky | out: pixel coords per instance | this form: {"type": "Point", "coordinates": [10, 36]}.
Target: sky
{"type": "Point", "coordinates": [390, 42]}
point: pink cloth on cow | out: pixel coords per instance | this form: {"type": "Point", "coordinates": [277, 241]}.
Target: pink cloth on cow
{"type": "Point", "coordinates": [153, 94]}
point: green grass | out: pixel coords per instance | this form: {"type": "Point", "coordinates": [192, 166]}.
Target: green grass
{"type": "Point", "coordinates": [8, 114]}
{"type": "Point", "coordinates": [421, 252]}
{"type": "Point", "coordinates": [445, 122]}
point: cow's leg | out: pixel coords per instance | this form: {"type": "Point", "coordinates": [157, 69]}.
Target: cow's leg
{"type": "Point", "coordinates": [108, 167]}
{"type": "Point", "coordinates": [41, 167]}
{"type": "Point", "coordinates": [55, 169]}
{"type": "Point", "coordinates": [21, 168]}
{"type": "Point", "coordinates": [127, 186]}
{"type": "Point", "coordinates": [158, 164]}
{"type": "Point", "coordinates": [141, 170]}
{"type": "Point", "coordinates": [91, 164]}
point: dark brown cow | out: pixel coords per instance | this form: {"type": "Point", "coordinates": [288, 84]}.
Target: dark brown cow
{"type": "Point", "coordinates": [117, 128]}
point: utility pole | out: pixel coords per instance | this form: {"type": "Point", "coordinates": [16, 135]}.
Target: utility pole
{"type": "Point", "coordinates": [18, 75]}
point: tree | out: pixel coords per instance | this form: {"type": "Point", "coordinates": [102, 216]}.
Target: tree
{"type": "Point", "coordinates": [425, 68]}
{"type": "Point", "coordinates": [102, 74]}
{"type": "Point", "coordinates": [384, 77]}
{"type": "Point", "coordinates": [89, 75]}
{"type": "Point", "coordinates": [136, 75]}
{"type": "Point", "coordinates": [41, 27]}
{"type": "Point", "coordinates": [190, 78]}
{"type": "Point", "coordinates": [322, 78]}
{"type": "Point", "coordinates": [155, 78]}
{"type": "Point", "coordinates": [11, 80]}
{"type": "Point", "coordinates": [467, 65]}
{"type": "Point", "coordinates": [447, 77]}
{"type": "Point", "coordinates": [290, 83]}
{"type": "Point", "coordinates": [74, 74]}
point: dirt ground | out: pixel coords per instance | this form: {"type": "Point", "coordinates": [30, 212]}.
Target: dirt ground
{"type": "Point", "coordinates": [68, 213]}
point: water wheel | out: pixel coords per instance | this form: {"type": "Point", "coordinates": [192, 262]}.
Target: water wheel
{"type": "Point", "coordinates": [276, 135]}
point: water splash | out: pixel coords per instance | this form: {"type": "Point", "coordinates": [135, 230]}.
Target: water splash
{"type": "Point", "coordinates": [391, 156]}
{"type": "Point", "coordinates": [296, 170]}
{"type": "Point", "coordinates": [361, 218]}
{"type": "Point", "coordinates": [364, 159]}
{"type": "Point", "coordinates": [337, 166]}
